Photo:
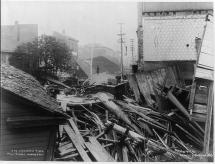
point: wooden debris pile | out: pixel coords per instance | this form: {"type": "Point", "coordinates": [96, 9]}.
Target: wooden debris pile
{"type": "Point", "coordinates": [121, 130]}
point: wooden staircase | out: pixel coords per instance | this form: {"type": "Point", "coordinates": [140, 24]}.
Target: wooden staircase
{"type": "Point", "coordinates": [201, 96]}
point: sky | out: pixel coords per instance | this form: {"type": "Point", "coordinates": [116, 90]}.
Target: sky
{"type": "Point", "coordinates": [88, 22]}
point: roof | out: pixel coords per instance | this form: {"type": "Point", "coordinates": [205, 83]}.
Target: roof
{"type": "Point", "coordinates": [103, 63]}
{"type": "Point", "coordinates": [63, 36]}
{"type": "Point", "coordinates": [27, 87]}
{"type": "Point", "coordinates": [172, 37]}
{"type": "Point", "coordinates": [176, 6]}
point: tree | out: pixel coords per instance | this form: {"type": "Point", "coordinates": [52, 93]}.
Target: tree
{"type": "Point", "coordinates": [44, 56]}
{"type": "Point", "coordinates": [26, 57]}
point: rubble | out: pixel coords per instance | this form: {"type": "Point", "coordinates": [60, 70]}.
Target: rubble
{"type": "Point", "coordinates": [106, 129]}
{"type": "Point", "coordinates": [146, 118]}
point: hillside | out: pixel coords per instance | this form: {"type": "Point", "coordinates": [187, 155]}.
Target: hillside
{"type": "Point", "coordinates": [85, 53]}
{"type": "Point", "coordinates": [105, 65]}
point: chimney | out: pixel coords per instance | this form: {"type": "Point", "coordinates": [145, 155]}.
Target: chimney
{"type": "Point", "coordinates": [16, 22]}
{"type": "Point", "coordinates": [198, 43]}
{"type": "Point", "coordinates": [63, 31]}
{"type": "Point", "coordinates": [17, 30]}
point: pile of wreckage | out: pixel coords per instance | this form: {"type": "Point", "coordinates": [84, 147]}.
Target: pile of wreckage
{"type": "Point", "coordinates": [132, 128]}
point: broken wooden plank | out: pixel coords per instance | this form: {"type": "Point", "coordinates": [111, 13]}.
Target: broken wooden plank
{"type": "Point", "coordinates": [67, 151]}
{"type": "Point", "coordinates": [76, 141]}
{"type": "Point", "coordinates": [99, 153]}
{"type": "Point", "coordinates": [125, 154]}
{"type": "Point", "coordinates": [60, 131]}
{"type": "Point", "coordinates": [192, 97]}
{"type": "Point", "coordinates": [154, 125]}
{"type": "Point", "coordinates": [190, 135]}
{"type": "Point", "coordinates": [134, 87]}
{"type": "Point", "coordinates": [106, 100]}
{"type": "Point", "coordinates": [65, 147]}
{"type": "Point", "coordinates": [175, 101]}
{"type": "Point", "coordinates": [122, 130]}
{"type": "Point", "coordinates": [151, 143]}
{"type": "Point", "coordinates": [77, 132]}
{"type": "Point", "coordinates": [70, 156]}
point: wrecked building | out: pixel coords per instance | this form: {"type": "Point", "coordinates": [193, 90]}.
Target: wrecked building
{"type": "Point", "coordinates": [29, 118]}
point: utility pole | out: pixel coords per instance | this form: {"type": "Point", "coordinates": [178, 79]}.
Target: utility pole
{"type": "Point", "coordinates": [121, 42]}
{"type": "Point", "coordinates": [132, 49]}
{"type": "Point", "coordinates": [91, 61]}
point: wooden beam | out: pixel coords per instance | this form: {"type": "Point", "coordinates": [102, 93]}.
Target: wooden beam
{"type": "Point", "coordinates": [77, 144]}
{"type": "Point", "coordinates": [133, 84]}
{"type": "Point", "coordinates": [51, 144]}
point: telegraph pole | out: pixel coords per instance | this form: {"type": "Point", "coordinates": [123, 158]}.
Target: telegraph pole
{"type": "Point", "coordinates": [121, 42]}
{"type": "Point", "coordinates": [132, 49]}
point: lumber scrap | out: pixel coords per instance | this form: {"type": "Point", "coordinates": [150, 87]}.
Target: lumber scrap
{"type": "Point", "coordinates": [77, 144]}
{"type": "Point", "coordinates": [105, 99]}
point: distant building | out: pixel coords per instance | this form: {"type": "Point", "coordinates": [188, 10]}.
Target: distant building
{"type": "Point", "coordinates": [15, 35]}
{"type": "Point", "coordinates": [69, 41]}
{"type": "Point", "coordinates": [72, 44]}
{"type": "Point", "coordinates": [168, 33]}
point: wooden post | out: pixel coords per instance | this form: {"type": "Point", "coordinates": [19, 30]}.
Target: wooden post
{"type": "Point", "coordinates": [174, 100]}
{"type": "Point", "coordinates": [208, 120]}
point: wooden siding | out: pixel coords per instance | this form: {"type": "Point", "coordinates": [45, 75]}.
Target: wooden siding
{"type": "Point", "coordinates": [146, 82]}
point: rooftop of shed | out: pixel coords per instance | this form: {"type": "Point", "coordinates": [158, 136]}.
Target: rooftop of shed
{"type": "Point", "coordinates": [27, 87]}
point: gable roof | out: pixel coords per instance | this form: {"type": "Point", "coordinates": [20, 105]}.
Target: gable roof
{"type": "Point", "coordinates": [172, 37]}
{"type": "Point", "coordinates": [27, 87]}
